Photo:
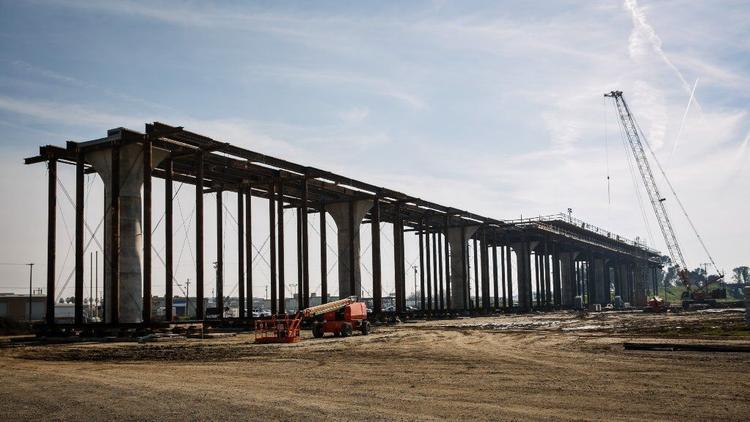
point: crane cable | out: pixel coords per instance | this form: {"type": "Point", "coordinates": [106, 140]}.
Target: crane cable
{"type": "Point", "coordinates": [606, 151]}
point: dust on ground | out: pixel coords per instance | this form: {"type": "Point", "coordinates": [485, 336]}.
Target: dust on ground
{"type": "Point", "coordinates": [550, 366]}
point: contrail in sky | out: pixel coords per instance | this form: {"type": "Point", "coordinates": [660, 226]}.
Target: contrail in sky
{"type": "Point", "coordinates": [684, 116]}
{"type": "Point", "coordinates": [640, 23]}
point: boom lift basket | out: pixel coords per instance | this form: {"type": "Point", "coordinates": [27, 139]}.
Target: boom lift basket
{"type": "Point", "coordinates": [278, 329]}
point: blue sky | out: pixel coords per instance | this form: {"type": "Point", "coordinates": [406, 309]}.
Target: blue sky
{"type": "Point", "coordinates": [490, 106]}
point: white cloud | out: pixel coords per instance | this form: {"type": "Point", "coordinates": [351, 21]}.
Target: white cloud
{"type": "Point", "coordinates": [644, 36]}
{"type": "Point", "coordinates": [354, 115]}
{"type": "Point", "coordinates": [352, 81]}
{"type": "Point", "coordinates": [67, 114]}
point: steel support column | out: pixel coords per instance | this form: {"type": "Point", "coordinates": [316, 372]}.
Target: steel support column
{"type": "Point", "coordinates": [78, 287]}
{"type": "Point", "coordinates": [548, 278]}
{"type": "Point", "coordinates": [51, 238]}
{"type": "Point", "coordinates": [353, 237]}
{"type": "Point", "coordinates": [556, 274]}
{"type": "Point", "coordinates": [509, 276]}
{"type": "Point", "coordinates": [448, 303]}
{"type": "Point", "coordinates": [476, 274]}
{"type": "Point", "coordinates": [272, 246]}
{"type": "Point", "coordinates": [168, 242]}
{"type": "Point", "coordinates": [324, 256]}
{"type": "Point", "coordinates": [398, 259]}
{"type": "Point", "coordinates": [428, 269]}
{"type": "Point", "coordinates": [503, 280]}
{"type": "Point", "coordinates": [484, 256]}
{"type": "Point", "coordinates": [249, 249]}
{"type": "Point", "coordinates": [377, 285]}
{"type": "Point", "coordinates": [300, 286]}
{"type": "Point", "coordinates": [241, 252]}
{"type": "Point", "coordinates": [280, 242]}
{"type": "Point", "coordinates": [465, 262]}
{"type": "Point", "coordinates": [147, 170]}
{"type": "Point", "coordinates": [495, 268]}
{"type": "Point", "coordinates": [219, 254]}
{"type": "Point", "coordinates": [439, 250]}
{"type": "Point", "coordinates": [421, 266]}
{"type": "Point", "coordinates": [114, 258]}
{"type": "Point", "coordinates": [435, 274]}
{"type": "Point", "coordinates": [537, 293]}
{"type": "Point", "coordinates": [305, 248]}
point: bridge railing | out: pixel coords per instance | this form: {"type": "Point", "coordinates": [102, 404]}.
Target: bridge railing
{"type": "Point", "coordinates": [585, 226]}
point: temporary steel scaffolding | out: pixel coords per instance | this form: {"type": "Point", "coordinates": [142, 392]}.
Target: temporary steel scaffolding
{"type": "Point", "coordinates": [216, 166]}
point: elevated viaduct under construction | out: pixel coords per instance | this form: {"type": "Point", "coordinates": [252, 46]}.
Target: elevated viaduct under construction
{"type": "Point", "coordinates": [548, 261]}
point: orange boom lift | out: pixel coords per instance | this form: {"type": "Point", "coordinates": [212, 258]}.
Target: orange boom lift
{"type": "Point", "coordinates": [341, 318]}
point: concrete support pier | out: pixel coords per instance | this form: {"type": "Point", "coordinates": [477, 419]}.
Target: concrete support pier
{"type": "Point", "coordinates": [348, 218]}
{"type": "Point", "coordinates": [458, 238]}
{"type": "Point", "coordinates": [600, 291]}
{"type": "Point", "coordinates": [130, 296]}
{"type": "Point", "coordinates": [623, 277]}
{"type": "Point", "coordinates": [523, 267]}
{"type": "Point", "coordinates": [639, 284]}
{"type": "Point", "coordinates": [567, 278]}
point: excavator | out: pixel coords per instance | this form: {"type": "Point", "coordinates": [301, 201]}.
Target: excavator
{"type": "Point", "coordinates": [340, 318]}
{"type": "Point", "coordinates": [693, 294]}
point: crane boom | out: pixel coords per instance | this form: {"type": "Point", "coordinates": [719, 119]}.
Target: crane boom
{"type": "Point", "coordinates": [657, 201]}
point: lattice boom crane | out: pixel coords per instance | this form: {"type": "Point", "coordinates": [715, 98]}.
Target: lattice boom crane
{"type": "Point", "coordinates": [632, 133]}
{"type": "Point", "coordinates": [657, 200]}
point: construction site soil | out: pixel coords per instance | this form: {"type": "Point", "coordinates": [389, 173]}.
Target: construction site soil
{"type": "Point", "coordinates": [551, 366]}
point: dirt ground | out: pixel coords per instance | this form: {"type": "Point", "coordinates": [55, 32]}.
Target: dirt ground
{"type": "Point", "coordinates": [554, 366]}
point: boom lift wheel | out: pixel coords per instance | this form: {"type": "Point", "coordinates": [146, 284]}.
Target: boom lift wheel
{"type": "Point", "coordinates": [365, 327]}
{"type": "Point", "coordinates": [317, 330]}
{"type": "Point", "coordinates": [346, 329]}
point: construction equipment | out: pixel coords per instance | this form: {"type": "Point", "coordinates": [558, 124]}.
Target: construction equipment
{"type": "Point", "coordinates": [278, 329]}
{"type": "Point", "coordinates": [633, 135]}
{"type": "Point", "coordinates": [656, 305]}
{"type": "Point", "coordinates": [341, 318]}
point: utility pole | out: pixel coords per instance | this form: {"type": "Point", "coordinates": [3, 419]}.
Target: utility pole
{"type": "Point", "coordinates": [415, 285]}
{"type": "Point", "coordinates": [292, 288]}
{"type": "Point", "coordinates": [31, 270]}
{"type": "Point", "coordinates": [216, 276]}
{"type": "Point", "coordinates": [187, 299]}
{"type": "Point", "coordinates": [96, 283]}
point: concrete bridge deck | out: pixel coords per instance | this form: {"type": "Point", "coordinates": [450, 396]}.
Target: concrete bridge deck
{"type": "Point", "coordinates": [549, 260]}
